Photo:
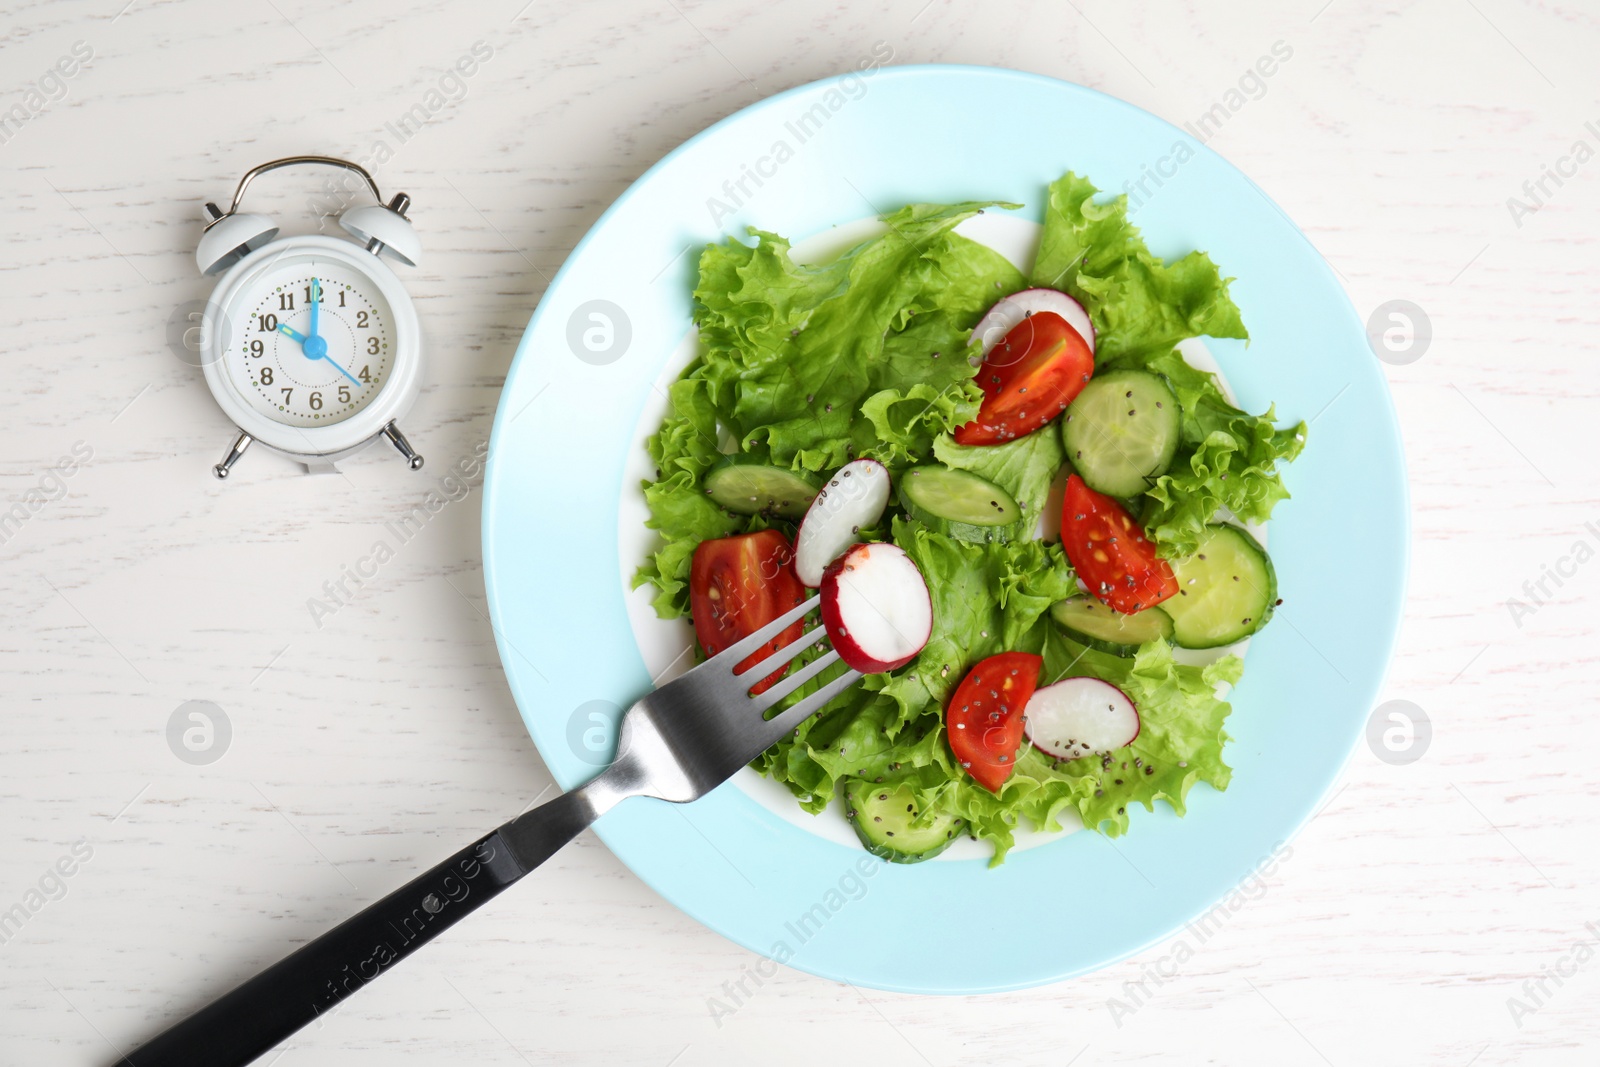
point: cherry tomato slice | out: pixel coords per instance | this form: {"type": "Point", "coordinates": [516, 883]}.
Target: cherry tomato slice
{"type": "Point", "coordinates": [1028, 379]}
{"type": "Point", "coordinates": [1110, 552]}
{"type": "Point", "coordinates": [739, 584]}
{"type": "Point", "coordinates": [984, 718]}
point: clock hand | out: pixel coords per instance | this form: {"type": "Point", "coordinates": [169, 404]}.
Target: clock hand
{"type": "Point", "coordinates": [316, 300]}
{"type": "Point", "coordinates": [314, 347]}
{"type": "Point", "coordinates": [344, 372]}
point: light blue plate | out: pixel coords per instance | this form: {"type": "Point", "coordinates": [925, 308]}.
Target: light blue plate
{"type": "Point", "coordinates": [853, 146]}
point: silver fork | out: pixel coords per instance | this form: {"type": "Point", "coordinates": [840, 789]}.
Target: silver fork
{"type": "Point", "coordinates": [676, 744]}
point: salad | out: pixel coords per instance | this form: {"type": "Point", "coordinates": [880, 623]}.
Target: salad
{"type": "Point", "coordinates": [1016, 495]}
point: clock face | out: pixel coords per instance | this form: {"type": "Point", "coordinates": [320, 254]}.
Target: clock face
{"type": "Point", "coordinates": [311, 340]}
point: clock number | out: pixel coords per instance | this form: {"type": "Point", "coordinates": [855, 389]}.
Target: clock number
{"type": "Point", "coordinates": [308, 295]}
{"type": "Point", "coordinates": [372, 346]}
{"type": "Point", "coordinates": [267, 323]}
{"type": "Point", "coordinates": [287, 393]}
{"type": "Point", "coordinates": [344, 394]}
{"type": "Point", "coordinates": [316, 401]}
{"type": "Point", "coordinates": [257, 348]}
{"type": "Point", "coordinates": [364, 376]}
{"type": "Point", "coordinates": [361, 320]}
{"type": "Point", "coordinates": [285, 301]}
{"type": "Point", "coordinates": [341, 298]}
{"type": "Point", "coordinates": [266, 375]}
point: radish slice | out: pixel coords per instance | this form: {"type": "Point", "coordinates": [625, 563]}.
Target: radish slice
{"type": "Point", "coordinates": [853, 498]}
{"type": "Point", "coordinates": [993, 327]}
{"type": "Point", "coordinates": [1077, 716]}
{"type": "Point", "coordinates": [876, 608]}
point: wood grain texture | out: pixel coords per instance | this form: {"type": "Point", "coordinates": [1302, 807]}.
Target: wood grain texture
{"type": "Point", "coordinates": [1408, 913]}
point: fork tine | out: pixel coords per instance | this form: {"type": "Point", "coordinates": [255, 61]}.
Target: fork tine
{"type": "Point", "coordinates": [778, 659]}
{"type": "Point", "coordinates": [785, 721]}
{"type": "Point", "coordinates": [729, 657]}
{"type": "Point", "coordinates": [762, 702]}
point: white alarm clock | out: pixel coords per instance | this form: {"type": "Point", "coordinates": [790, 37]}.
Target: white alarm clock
{"type": "Point", "coordinates": [310, 344]}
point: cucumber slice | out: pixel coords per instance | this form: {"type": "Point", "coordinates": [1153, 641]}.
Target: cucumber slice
{"type": "Point", "coordinates": [886, 820]}
{"type": "Point", "coordinates": [957, 503]}
{"type": "Point", "coordinates": [1106, 630]}
{"type": "Point", "coordinates": [1226, 590]}
{"type": "Point", "coordinates": [747, 486]}
{"type": "Point", "coordinates": [1121, 431]}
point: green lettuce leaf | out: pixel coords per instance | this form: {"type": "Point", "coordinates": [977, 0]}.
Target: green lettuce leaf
{"type": "Point", "coordinates": [790, 351]}
{"type": "Point", "coordinates": [1139, 304]}
{"type": "Point", "coordinates": [1180, 737]}
{"type": "Point", "coordinates": [987, 598]}
{"type": "Point", "coordinates": [903, 425]}
{"type": "Point", "coordinates": [683, 449]}
{"type": "Point", "coordinates": [1226, 459]}
{"type": "Point", "coordinates": [1180, 742]}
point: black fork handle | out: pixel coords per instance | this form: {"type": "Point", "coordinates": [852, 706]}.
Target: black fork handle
{"type": "Point", "coordinates": [311, 981]}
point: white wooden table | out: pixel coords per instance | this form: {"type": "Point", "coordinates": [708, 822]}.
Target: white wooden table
{"type": "Point", "coordinates": [1409, 914]}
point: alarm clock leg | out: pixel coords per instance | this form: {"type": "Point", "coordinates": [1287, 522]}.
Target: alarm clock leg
{"type": "Point", "coordinates": [398, 439]}
{"type": "Point", "coordinates": [234, 452]}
